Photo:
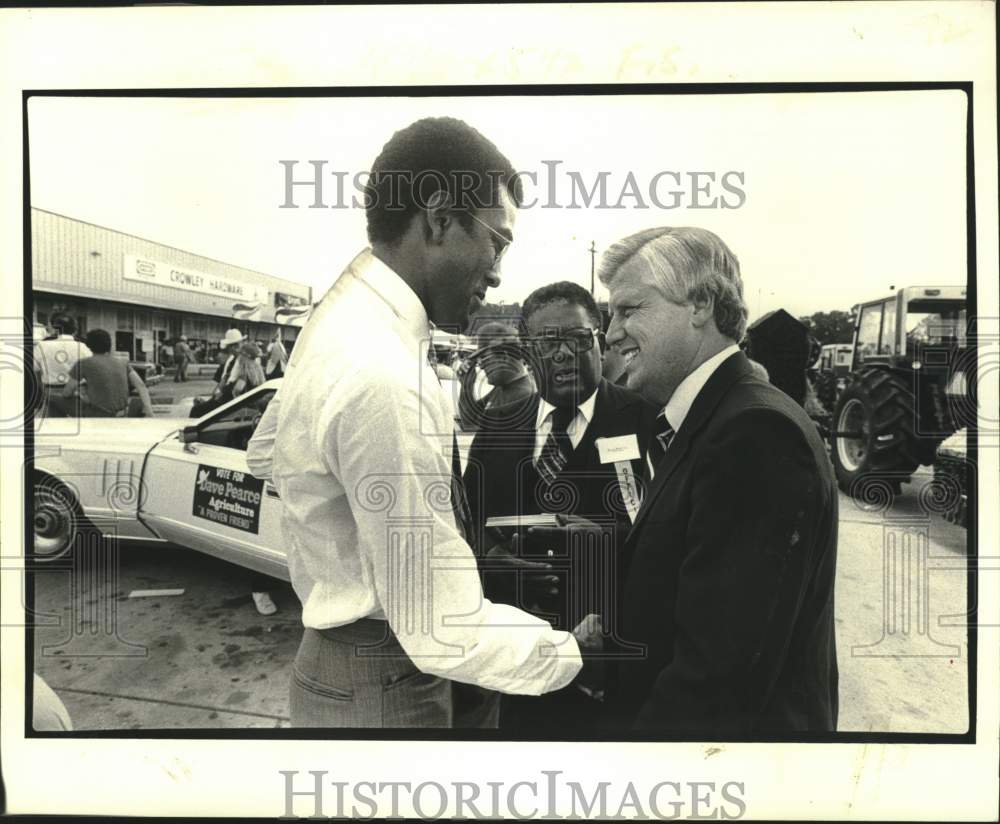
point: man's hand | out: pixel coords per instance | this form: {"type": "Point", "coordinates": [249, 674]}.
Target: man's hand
{"type": "Point", "coordinates": [539, 586]}
{"type": "Point", "coordinates": [589, 635]}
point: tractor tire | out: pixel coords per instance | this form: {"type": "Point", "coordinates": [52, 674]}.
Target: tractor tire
{"type": "Point", "coordinates": [825, 386]}
{"type": "Point", "coordinates": [880, 409]}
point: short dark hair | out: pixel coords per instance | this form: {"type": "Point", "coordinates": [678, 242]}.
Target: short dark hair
{"type": "Point", "coordinates": [563, 291]}
{"type": "Point", "coordinates": [63, 323]}
{"type": "Point", "coordinates": [431, 155]}
{"type": "Point", "coordinates": [98, 341]}
{"type": "Point", "coordinates": [494, 330]}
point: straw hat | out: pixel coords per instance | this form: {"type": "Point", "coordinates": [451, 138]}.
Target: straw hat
{"type": "Point", "coordinates": [233, 336]}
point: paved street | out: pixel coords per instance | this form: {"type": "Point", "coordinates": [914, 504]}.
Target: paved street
{"type": "Point", "coordinates": [169, 398]}
{"type": "Point", "coordinates": [206, 659]}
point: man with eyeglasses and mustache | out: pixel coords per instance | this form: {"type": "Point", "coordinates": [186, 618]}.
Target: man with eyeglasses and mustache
{"type": "Point", "coordinates": [575, 450]}
{"type": "Point", "coordinates": [359, 441]}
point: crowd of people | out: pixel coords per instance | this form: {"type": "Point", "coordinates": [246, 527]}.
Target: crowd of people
{"type": "Point", "coordinates": [669, 555]}
{"type": "Point", "coordinates": [84, 378]}
{"type": "Point", "coordinates": [643, 535]}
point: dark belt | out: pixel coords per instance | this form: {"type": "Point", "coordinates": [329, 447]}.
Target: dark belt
{"type": "Point", "coordinates": [368, 631]}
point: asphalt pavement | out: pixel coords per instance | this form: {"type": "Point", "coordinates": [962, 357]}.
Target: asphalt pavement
{"type": "Point", "coordinates": [204, 658]}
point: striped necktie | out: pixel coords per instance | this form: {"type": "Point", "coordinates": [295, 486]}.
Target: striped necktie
{"type": "Point", "coordinates": [664, 434]}
{"type": "Point", "coordinates": [558, 447]}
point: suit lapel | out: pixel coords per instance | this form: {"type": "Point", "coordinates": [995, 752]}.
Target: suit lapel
{"type": "Point", "coordinates": [730, 370]}
{"type": "Point", "coordinates": [607, 413]}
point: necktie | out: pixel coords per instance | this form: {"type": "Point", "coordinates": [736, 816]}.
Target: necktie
{"type": "Point", "coordinates": [557, 448]}
{"type": "Point", "coordinates": [664, 434]}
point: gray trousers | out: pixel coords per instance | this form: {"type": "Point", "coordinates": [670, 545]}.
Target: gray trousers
{"type": "Point", "coordinates": [359, 676]}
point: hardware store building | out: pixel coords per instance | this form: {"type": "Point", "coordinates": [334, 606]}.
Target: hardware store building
{"type": "Point", "coordinates": [145, 294]}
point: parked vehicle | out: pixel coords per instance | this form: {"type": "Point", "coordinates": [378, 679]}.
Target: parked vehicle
{"type": "Point", "coordinates": [907, 386]}
{"type": "Point", "coordinates": [830, 371]}
{"type": "Point", "coordinates": [178, 480]}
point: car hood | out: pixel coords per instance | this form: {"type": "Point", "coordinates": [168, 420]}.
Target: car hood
{"type": "Point", "coordinates": [112, 434]}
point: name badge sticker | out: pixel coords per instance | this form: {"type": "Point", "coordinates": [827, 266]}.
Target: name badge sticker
{"type": "Point", "coordinates": [621, 448]}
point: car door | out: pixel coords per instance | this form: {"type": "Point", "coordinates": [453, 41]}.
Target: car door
{"type": "Point", "coordinates": [198, 492]}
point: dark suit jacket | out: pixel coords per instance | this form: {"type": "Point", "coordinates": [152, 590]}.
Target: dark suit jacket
{"type": "Point", "coordinates": [731, 578]}
{"type": "Point", "coordinates": [500, 479]}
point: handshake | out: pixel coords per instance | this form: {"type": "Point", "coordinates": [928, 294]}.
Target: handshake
{"type": "Point", "coordinates": [540, 588]}
{"type": "Point", "coordinates": [511, 576]}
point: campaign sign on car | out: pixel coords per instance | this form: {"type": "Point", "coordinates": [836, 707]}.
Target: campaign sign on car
{"type": "Point", "coordinates": [228, 497]}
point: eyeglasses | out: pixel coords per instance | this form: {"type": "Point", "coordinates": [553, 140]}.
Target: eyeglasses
{"type": "Point", "coordinates": [579, 340]}
{"type": "Point", "coordinates": [498, 249]}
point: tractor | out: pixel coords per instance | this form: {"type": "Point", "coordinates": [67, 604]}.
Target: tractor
{"type": "Point", "coordinates": [907, 389]}
{"type": "Point", "coordinates": [829, 373]}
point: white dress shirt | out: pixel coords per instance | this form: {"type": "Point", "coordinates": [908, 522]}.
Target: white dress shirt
{"type": "Point", "coordinates": [680, 402]}
{"type": "Point", "coordinates": [358, 442]}
{"type": "Point", "coordinates": [576, 429]}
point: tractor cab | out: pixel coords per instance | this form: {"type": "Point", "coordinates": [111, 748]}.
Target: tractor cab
{"type": "Point", "coordinates": [897, 330]}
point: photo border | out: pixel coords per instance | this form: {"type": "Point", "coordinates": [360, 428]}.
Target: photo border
{"type": "Point", "coordinates": [514, 90]}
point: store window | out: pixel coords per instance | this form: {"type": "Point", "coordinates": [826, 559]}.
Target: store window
{"type": "Point", "coordinates": [124, 318]}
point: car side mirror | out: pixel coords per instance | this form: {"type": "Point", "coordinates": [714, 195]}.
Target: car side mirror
{"type": "Point", "coordinates": [189, 434]}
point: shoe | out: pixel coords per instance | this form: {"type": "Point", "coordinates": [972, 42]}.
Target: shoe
{"type": "Point", "coordinates": [264, 604]}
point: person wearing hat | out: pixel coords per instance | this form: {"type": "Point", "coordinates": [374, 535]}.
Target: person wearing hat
{"type": "Point", "coordinates": [182, 357]}
{"type": "Point", "coordinates": [228, 347]}
{"type": "Point", "coordinates": [232, 339]}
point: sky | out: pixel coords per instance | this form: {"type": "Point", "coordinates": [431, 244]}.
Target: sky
{"type": "Point", "coordinates": [833, 198]}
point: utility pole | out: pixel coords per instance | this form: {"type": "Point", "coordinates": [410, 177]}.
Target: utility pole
{"type": "Point", "coordinates": [593, 257]}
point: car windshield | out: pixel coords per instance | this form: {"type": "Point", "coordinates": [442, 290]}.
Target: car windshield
{"type": "Point", "coordinates": [934, 323]}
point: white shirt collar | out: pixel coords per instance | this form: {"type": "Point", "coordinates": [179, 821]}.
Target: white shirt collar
{"type": "Point", "coordinates": [680, 402]}
{"type": "Point", "coordinates": [586, 409]}
{"type": "Point", "coordinates": [389, 286]}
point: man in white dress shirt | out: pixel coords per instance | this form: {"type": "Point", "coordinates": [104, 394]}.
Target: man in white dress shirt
{"type": "Point", "coordinates": [363, 457]}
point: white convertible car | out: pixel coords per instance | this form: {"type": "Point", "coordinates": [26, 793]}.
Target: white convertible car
{"type": "Point", "coordinates": [179, 480]}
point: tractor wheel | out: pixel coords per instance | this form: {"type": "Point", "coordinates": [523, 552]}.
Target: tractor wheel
{"type": "Point", "coordinates": [874, 431]}
{"type": "Point", "coordinates": [826, 390]}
